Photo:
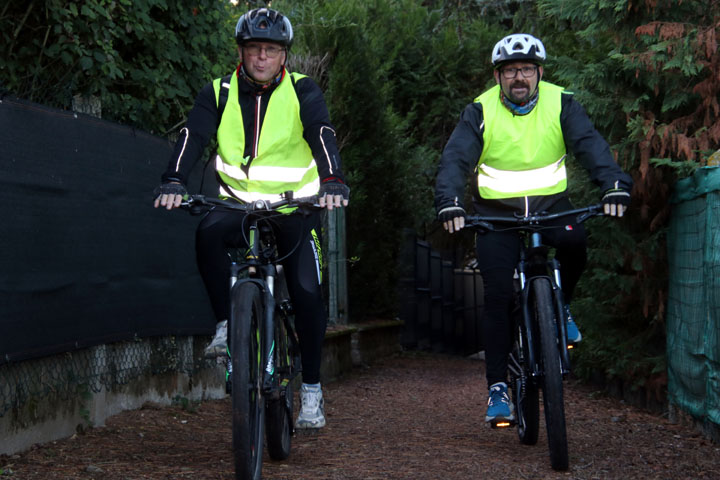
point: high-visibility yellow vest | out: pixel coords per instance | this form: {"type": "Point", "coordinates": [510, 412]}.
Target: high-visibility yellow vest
{"type": "Point", "coordinates": [283, 160]}
{"type": "Point", "coordinates": [523, 155]}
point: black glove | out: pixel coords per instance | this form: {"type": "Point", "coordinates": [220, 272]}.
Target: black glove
{"type": "Point", "coordinates": [447, 214]}
{"type": "Point", "coordinates": [170, 189]}
{"type": "Point", "coordinates": [334, 186]}
{"type": "Point", "coordinates": [616, 196]}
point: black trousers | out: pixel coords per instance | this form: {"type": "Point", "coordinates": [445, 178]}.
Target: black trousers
{"type": "Point", "coordinates": [498, 254]}
{"type": "Point", "coordinates": [298, 238]}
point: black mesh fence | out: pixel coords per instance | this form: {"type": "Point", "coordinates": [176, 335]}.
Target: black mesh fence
{"type": "Point", "coordinates": [84, 258]}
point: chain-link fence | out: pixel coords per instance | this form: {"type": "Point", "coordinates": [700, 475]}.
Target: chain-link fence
{"type": "Point", "coordinates": [84, 372]}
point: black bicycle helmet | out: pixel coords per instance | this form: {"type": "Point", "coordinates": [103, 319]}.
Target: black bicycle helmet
{"type": "Point", "coordinates": [518, 46]}
{"type": "Point", "coordinates": [265, 25]}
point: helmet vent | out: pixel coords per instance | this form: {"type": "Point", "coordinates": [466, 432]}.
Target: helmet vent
{"type": "Point", "coordinates": [263, 24]}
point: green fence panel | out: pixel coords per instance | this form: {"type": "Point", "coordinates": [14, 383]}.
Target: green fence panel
{"type": "Point", "coordinates": [693, 320]}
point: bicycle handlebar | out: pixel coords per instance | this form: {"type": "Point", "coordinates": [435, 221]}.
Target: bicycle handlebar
{"type": "Point", "coordinates": [200, 203]}
{"type": "Point", "coordinates": [532, 220]}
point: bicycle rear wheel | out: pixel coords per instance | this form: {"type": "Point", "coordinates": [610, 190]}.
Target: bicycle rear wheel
{"type": "Point", "coordinates": [525, 396]}
{"type": "Point", "coordinates": [278, 420]}
{"type": "Point", "coordinates": [552, 375]}
{"type": "Point", "coordinates": [525, 393]}
{"type": "Point", "coordinates": [279, 408]}
{"type": "Point", "coordinates": [247, 400]}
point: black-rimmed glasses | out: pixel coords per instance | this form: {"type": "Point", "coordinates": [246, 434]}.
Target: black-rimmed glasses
{"type": "Point", "coordinates": [510, 73]}
{"type": "Point", "coordinates": [254, 50]}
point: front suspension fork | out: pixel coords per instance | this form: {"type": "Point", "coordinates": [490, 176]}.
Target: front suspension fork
{"type": "Point", "coordinates": [268, 272]}
{"type": "Point", "coordinates": [560, 317]}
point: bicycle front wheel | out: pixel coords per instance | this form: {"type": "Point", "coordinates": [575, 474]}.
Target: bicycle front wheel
{"type": "Point", "coordinates": [247, 400]}
{"type": "Point", "coordinates": [552, 375]}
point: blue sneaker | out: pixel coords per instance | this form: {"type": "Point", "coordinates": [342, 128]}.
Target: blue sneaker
{"type": "Point", "coordinates": [573, 333]}
{"type": "Point", "coordinates": [499, 405]}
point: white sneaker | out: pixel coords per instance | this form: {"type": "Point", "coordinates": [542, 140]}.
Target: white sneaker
{"type": "Point", "coordinates": [218, 346]}
{"type": "Point", "coordinates": [312, 410]}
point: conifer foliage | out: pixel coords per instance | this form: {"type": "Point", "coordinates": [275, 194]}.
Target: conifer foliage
{"type": "Point", "coordinates": [647, 72]}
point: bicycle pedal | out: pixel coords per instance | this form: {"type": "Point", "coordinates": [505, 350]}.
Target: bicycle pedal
{"type": "Point", "coordinates": [502, 423]}
{"type": "Point", "coordinates": [273, 394]}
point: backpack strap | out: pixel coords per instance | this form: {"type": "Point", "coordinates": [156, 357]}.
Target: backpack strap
{"type": "Point", "coordinates": [223, 96]}
{"type": "Point", "coordinates": [222, 101]}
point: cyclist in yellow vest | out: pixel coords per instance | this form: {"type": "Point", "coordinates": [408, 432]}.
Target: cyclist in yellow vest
{"type": "Point", "coordinates": [274, 135]}
{"type": "Point", "coordinates": [513, 140]}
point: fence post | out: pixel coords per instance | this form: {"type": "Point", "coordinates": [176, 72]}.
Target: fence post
{"type": "Point", "coordinates": [337, 267]}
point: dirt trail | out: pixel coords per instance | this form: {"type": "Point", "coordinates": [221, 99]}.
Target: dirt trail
{"type": "Point", "coordinates": [414, 416]}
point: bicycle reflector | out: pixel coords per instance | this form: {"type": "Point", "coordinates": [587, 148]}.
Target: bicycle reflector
{"type": "Point", "coordinates": [501, 424]}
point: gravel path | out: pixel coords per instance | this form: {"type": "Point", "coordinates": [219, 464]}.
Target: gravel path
{"type": "Point", "coordinates": [413, 416]}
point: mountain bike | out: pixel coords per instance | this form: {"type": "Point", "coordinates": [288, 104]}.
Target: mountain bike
{"type": "Point", "coordinates": [264, 354]}
{"type": "Point", "coordinates": [539, 358]}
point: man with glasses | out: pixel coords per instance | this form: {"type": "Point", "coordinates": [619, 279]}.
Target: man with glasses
{"type": "Point", "coordinates": [515, 138]}
{"type": "Point", "coordinates": [274, 135]}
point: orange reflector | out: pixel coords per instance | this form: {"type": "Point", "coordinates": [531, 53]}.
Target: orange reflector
{"type": "Point", "coordinates": [502, 424]}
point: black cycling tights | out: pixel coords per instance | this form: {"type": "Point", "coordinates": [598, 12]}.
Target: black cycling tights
{"type": "Point", "coordinates": [220, 230]}
{"type": "Point", "coordinates": [498, 254]}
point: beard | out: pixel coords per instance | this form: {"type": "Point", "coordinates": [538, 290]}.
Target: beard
{"type": "Point", "coordinates": [518, 92]}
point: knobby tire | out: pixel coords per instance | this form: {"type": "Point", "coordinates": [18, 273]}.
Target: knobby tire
{"type": "Point", "coordinates": [552, 375]}
{"type": "Point", "coordinates": [247, 400]}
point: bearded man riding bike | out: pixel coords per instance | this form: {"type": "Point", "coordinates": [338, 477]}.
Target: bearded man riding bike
{"type": "Point", "coordinates": [274, 135]}
{"type": "Point", "coordinates": [515, 138]}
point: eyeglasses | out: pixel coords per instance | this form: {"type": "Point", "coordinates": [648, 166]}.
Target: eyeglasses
{"type": "Point", "coordinates": [510, 73]}
{"type": "Point", "coordinates": [254, 50]}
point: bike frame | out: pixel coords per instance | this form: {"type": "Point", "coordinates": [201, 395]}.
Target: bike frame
{"type": "Point", "coordinates": [261, 266]}
{"type": "Point", "coordinates": [534, 266]}
{"type": "Point", "coordinates": [262, 271]}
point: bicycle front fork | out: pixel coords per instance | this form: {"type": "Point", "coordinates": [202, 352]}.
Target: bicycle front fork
{"type": "Point", "coordinates": [560, 317]}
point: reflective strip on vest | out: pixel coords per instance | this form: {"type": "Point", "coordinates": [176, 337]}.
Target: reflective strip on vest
{"type": "Point", "coordinates": [306, 191]}
{"type": "Point", "coordinates": [284, 161]}
{"type": "Point", "coordinates": [264, 173]}
{"type": "Point", "coordinates": [269, 176]}
{"type": "Point", "coordinates": [523, 155]}
{"type": "Point", "coordinates": [519, 183]}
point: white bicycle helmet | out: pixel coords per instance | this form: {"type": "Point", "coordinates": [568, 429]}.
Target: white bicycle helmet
{"type": "Point", "coordinates": [518, 46]}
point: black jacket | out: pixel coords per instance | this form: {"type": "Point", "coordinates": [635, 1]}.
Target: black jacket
{"type": "Point", "coordinates": [203, 121]}
{"type": "Point", "coordinates": [461, 154]}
